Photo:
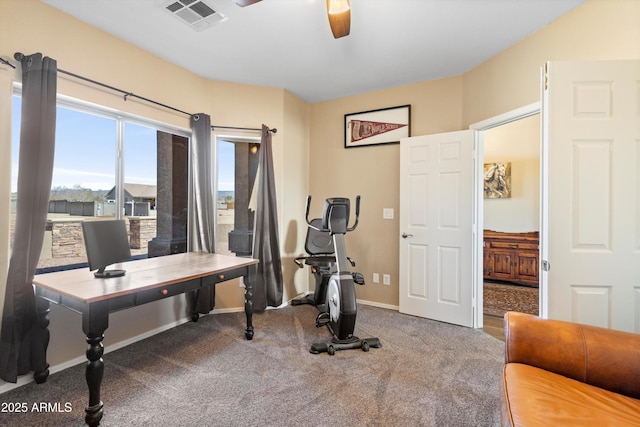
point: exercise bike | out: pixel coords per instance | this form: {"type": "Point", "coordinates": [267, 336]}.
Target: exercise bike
{"type": "Point", "coordinates": [334, 294]}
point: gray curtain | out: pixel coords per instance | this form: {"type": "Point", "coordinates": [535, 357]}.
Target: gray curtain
{"type": "Point", "coordinates": [267, 290]}
{"type": "Point", "coordinates": [22, 343]}
{"type": "Point", "coordinates": [202, 210]}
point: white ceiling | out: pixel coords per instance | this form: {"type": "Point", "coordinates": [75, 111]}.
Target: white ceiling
{"type": "Point", "coordinates": [288, 43]}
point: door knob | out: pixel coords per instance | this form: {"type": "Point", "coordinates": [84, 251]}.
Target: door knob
{"type": "Point", "coordinates": [405, 235]}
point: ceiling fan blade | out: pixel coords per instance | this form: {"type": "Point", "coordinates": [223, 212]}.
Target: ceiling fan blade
{"type": "Point", "coordinates": [339, 13]}
{"type": "Point", "coordinates": [243, 3]}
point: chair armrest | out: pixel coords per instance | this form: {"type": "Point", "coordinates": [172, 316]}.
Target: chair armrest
{"type": "Point", "coordinates": [602, 357]}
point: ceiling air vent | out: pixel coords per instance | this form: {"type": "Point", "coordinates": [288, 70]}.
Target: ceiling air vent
{"type": "Point", "coordinates": [195, 13]}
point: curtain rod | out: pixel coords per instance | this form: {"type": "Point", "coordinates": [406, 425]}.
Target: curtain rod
{"type": "Point", "coordinates": [274, 130]}
{"type": "Point", "coordinates": [19, 56]}
{"type": "Point", "coordinates": [126, 93]}
{"type": "Point", "coordinates": [4, 61]}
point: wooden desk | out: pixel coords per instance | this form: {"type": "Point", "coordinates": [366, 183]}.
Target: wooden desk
{"type": "Point", "coordinates": [146, 280]}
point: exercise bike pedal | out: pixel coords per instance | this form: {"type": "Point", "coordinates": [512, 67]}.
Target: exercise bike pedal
{"type": "Point", "coordinates": [358, 278]}
{"type": "Point", "coordinates": [323, 319]}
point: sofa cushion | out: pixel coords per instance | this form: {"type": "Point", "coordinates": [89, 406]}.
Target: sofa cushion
{"type": "Point", "coordinates": [536, 397]}
{"type": "Point", "coordinates": [602, 357]}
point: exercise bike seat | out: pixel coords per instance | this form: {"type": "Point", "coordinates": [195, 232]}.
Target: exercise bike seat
{"type": "Point", "coordinates": [321, 261]}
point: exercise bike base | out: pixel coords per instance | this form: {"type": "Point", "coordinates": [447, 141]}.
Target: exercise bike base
{"type": "Point", "coordinates": [335, 345]}
{"type": "Point", "coordinates": [306, 299]}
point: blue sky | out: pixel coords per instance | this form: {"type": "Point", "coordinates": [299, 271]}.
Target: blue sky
{"type": "Point", "coordinates": [86, 149]}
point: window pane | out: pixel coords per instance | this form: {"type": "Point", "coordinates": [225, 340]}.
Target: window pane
{"type": "Point", "coordinates": [171, 212]}
{"type": "Point", "coordinates": [140, 185]}
{"type": "Point", "coordinates": [226, 186]}
{"type": "Point", "coordinates": [85, 157]}
{"type": "Point", "coordinates": [83, 173]}
{"type": "Point", "coordinates": [84, 184]}
{"type": "Point", "coordinates": [237, 167]}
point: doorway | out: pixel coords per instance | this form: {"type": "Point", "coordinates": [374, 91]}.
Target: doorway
{"type": "Point", "coordinates": [508, 214]}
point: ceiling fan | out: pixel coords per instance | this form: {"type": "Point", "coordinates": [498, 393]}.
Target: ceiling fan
{"type": "Point", "coordinates": [243, 3]}
{"type": "Point", "coordinates": [338, 11]}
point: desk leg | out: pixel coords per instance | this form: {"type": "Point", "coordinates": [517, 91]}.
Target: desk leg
{"type": "Point", "coordinates": [248, 301]}
{"type": "Point", "coordinates": [94, 322]}
{"type": "Point", "coordinates": [42, 309]}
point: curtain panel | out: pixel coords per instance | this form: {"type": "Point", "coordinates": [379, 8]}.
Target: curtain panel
{"type": "Point", "coordinates": [7, 76]}
{"type": "Point", "coordinates": [22, 342]}
{"type": "Point", "coordinates": [202, 211]}
{"type": "Point", "coordinates": [267, 290]}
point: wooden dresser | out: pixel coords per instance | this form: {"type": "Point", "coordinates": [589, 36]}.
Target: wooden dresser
{"type": "Point", "coordinates": [512, 257]}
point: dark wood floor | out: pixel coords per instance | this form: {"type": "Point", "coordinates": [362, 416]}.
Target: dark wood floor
{"type": "Point", "coordinates": [500, 297]}
{"type": "Point", "coordinates": [493, 325]}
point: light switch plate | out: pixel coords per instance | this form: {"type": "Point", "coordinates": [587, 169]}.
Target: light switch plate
{"type": "Point", "coordinates": [387, 213]}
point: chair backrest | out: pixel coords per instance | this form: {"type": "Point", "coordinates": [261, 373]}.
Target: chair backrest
{"type": "Point", "coordinates": [318, 242]}
{"type": "Point", "coordinates": [335, 215]}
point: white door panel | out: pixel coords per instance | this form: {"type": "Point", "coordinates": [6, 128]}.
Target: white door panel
{"type": "Point", "coordinates": [436, 212]}
{"type": "Point", "coordinates": [591, 131]}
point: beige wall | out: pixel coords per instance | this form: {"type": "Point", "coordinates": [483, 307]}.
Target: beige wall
{"type": "Point", "coordinates": [295, 159]}
{"type": "Point", "coordinates": [518, 143]}
{"type": "Point", "coordinates": [308, 148]}
{"type": "Point", "coordinates": [373, 172]}
{"type": "Point", "coordinates": [596, 30]}
{"type": "Point", "coordinates": [87, 51]}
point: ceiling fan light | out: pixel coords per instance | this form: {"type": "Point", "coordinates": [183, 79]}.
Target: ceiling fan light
{"type": "Point", "coordinates": [339, 13]}
{"type": "Point", "coordinates": [243, 3]}
{"type": "Point", "coordinates": [338, 6]}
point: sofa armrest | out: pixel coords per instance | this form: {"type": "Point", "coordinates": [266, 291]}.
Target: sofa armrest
{"type": "Point", "coordinates": [602, 357]}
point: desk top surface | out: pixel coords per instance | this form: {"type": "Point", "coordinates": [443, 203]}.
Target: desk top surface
{"type": "Point", "coordinates": [142, 274]}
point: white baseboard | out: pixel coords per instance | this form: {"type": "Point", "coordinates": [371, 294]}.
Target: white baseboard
{"type": "Point", "coordinates": [378, 304]}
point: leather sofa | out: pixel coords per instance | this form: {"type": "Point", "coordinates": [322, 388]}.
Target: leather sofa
{"type": "Point", "coordinates": [560, 373]}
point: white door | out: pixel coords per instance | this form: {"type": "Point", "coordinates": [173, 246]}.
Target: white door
{"type": "Point", "coordinates": [591, 150]}
{"type": "Point", "coordinates": [436, 214]}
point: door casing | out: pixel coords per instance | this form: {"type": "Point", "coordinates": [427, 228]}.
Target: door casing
{"type": "Point", "coordinates": [480, 127]}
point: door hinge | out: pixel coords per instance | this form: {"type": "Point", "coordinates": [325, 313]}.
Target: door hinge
{"type": "Point", "coordinates": [546, 76]}
{"type": "Point", "coordinates": [545, 265]}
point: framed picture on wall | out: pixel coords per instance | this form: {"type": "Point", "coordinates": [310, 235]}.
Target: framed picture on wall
{"type": "Point", "coordinates": [497, 180]}
{"type": "Point", "coordinates": [375, 127]}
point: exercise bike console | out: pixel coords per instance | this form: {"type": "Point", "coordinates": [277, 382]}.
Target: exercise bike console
{"type": "Point", "coordinates": [335, 295]}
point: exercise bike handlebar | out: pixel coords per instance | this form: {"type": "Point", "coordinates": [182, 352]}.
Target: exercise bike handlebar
{"type": "Point", "coordinates": [306, 214]}
{"type": "Point", "coordinates": [349, 229]}
{"type": "Point", "coordinates": [355, 224]}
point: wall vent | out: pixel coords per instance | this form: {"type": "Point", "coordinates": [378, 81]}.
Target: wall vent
{"type": "Point", "coordinates": [195, 13]}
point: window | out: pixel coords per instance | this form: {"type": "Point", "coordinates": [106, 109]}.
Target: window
{"type": "Point", "coordinates": [91, 181]}
{"type": "Point", "coordinates": [140, 169]}
{"type": "Point", "coordinates": [237, 165]}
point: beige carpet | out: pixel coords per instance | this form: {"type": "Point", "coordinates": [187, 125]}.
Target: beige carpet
{"type": "Point", "coordinates": [205, 374]}
{"type": "Point", "coordinates": [502, 297]}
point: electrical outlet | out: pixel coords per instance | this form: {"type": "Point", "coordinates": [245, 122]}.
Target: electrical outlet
{"type": "Point", "coordinates": [386, 279]}
{"type": "Point", "coordinates": [376, 278]}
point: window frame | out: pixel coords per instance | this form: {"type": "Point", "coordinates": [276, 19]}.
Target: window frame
{"type": "Point", "coordinates": [121, 118]}
{"type": "Point", "coordinates": [246, 136]}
